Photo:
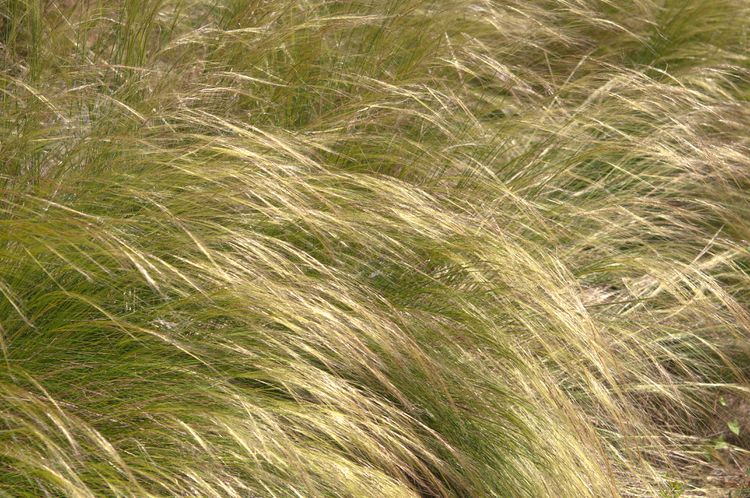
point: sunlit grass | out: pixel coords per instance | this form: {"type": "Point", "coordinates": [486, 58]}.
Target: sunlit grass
{"type": "Point", "coordinates": [371, 248]}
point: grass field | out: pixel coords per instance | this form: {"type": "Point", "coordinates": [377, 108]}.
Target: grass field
{"type": "Point", "coordinates": [374, 248]}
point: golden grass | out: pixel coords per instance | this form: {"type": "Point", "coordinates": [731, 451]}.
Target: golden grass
{"type": "Point", "coordinates": [372, 248]}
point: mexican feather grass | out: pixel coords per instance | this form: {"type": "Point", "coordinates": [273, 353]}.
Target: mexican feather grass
{"type": "Point", "coordinates": [372, 248]}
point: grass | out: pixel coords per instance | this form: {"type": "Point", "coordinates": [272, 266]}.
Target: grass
{"type": "Point", "coordinates": [374, 248]}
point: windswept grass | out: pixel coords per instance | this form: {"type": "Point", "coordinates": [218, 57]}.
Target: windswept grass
{"type": "Point", "coordinates": [373, 248]}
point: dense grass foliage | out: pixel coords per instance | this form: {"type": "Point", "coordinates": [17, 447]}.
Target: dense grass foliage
{"type": "Point", "coordinates": [373, 247]}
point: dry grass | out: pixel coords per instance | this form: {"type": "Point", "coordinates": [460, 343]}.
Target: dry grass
{"type": "Point", "coordinates": [374, 248]}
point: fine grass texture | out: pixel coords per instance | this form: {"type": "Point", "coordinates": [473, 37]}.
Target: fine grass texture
{"type": "Point", "coordinates": [374, 248]}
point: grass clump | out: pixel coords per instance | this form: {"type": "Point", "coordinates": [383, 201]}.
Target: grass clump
{"type": "Point", "coordinates": [382, 248]}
